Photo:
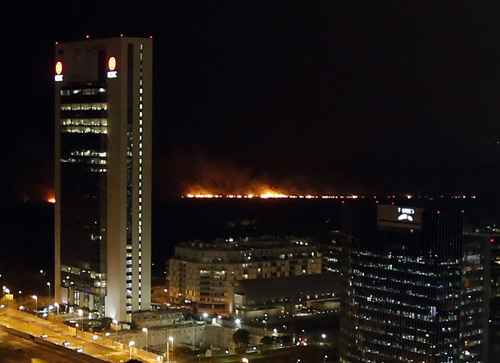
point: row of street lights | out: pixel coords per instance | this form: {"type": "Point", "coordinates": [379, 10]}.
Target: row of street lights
{"type": "Point", "coordinates": [170, 341]}
{"type": "Point", "coordinates": [131, 344]}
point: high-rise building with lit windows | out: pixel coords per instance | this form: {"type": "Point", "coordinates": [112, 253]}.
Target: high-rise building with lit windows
{"type": "Point", "coordinates": [417, 289]}
{"type": "Point", "coordinates": [103, 113]}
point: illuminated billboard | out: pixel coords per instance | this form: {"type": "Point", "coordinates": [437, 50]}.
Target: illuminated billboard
{"type": "Point", "coordinates": [399, 217]}
{"type": "Point", "coordinates": [112, 67]}
{"type": "Point", "coordinates": [59, 70]}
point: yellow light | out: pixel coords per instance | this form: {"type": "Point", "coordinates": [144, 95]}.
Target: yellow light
{"type": "Point", "coordinates": [112, 63]}
{"type": "Point", "coordinates": [59, 67]}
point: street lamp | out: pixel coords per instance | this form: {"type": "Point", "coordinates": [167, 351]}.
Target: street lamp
{"type": "Point", "coordinates": [48, 285]}
{"type": "Point", "coordinates": [145, 330]}
{"type": "Point", "coordinates": [130, 345]}
{"type": "Point", "coordinates": [80, 314]}
{"type": "Point", "coordinates": [171, 341]}
{"type": "Point", "coordinates": [34, 297]}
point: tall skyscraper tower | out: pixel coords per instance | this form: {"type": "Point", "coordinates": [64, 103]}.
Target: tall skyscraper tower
{"type": "Point", "coordinates": [417, 290]}
{"type": "Point", "coordinates": [103, 120]}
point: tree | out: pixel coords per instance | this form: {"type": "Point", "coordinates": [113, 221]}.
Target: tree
{"type": "Point", "coordinates": [266, 341]}
{"type": "Point", "coordinates": [286, 340]}
{"type": "Point", "coordinates": [241, 338]}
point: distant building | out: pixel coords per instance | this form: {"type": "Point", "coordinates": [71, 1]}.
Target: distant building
{"type": "Point", "coordinates": [417, 289]}
{"type": "Point", "coordinates": [205, 273]}
{"type": "Point", "coordinates": [103, 110]}
{"type": "Point", "coordinates": [494, 240]}
{"type": "Point", "coordinates": [492, 234]}
{"type": "Point", "coordinates": [157, 318]}
{"type": "Point", "coordinates": [287, 296]}
{"type": "Point", "coordinates": [335, 251]}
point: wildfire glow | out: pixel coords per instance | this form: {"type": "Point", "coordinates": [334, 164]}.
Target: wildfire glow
{"type": "Point", "coordinates": [276, 193]}
{"type": "Point", "coordinates": [263, 192]}
{"type": "Point", "coordinates": [51, 199]}
{"type": "Point", "coordinates": [269, 195]}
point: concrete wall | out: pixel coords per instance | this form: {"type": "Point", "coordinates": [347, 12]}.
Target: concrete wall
{"type": "Point", "coordinates": [186, 335]}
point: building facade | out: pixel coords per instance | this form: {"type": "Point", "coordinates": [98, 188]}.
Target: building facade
{"type": "Point", "coordinates": [205, 273]}
{"type": "Point", "coordinates": [286, 297]}
{"type": "Point", "coordinates": [103, 119]}
{"type": "Point", "coordinates": [417, 290]}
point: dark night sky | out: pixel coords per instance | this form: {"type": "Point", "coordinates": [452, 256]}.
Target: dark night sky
{"type": "Point", "coordinates": [329, 95]}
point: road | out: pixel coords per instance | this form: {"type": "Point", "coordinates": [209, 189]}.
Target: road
{"type": "Point", "coordinates": [19, 350]}
{"type": "Point", "coordinates": [60, 334]}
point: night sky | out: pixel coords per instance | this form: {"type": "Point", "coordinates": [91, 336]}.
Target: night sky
{"type": "Point", "coordinates": [313, 95]}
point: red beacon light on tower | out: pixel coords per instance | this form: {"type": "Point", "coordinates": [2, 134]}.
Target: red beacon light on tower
{"type": "Point", "coordinates": [112, 73]}
{"type": "Point", "coordinates": [59, 72]}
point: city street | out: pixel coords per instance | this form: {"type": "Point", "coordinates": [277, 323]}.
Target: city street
{"type": "Point", "coordinates": [63, 335]}
{"type": "Point", "coordinates": [18, 350]}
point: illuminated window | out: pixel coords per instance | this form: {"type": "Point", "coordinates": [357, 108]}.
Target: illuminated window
{"type": "Point", "coordinates": [96, 106]}
{"type": "Point", "coordinates": [84, 122]}
{"type": "Point", "coordinates": [84, 130]}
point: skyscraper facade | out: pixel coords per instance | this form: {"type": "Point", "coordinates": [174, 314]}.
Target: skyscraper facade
{"type": "Point", "coordinates": [417, 290]}
{"type": "Point", "coordinates": [103, 119]}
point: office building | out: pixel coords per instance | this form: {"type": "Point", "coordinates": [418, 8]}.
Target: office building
{"type": "Point", "coordinates": [287, 297]}
{"type": "Point", "coordinates": [103, 113]}
{"type": "Point", "coordinates": [205, 273]}
{"type": "Point", "coordinates": [417, 289]}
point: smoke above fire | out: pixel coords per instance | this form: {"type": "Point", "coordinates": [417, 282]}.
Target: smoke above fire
{"type": "Point", "coordinates": [226, 179]}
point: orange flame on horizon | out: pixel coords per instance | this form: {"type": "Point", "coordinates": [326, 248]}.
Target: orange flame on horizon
{"type": "Point", "coordinates": [51, 198]}
{"type": "Point", "coordinates": [261, 191]}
